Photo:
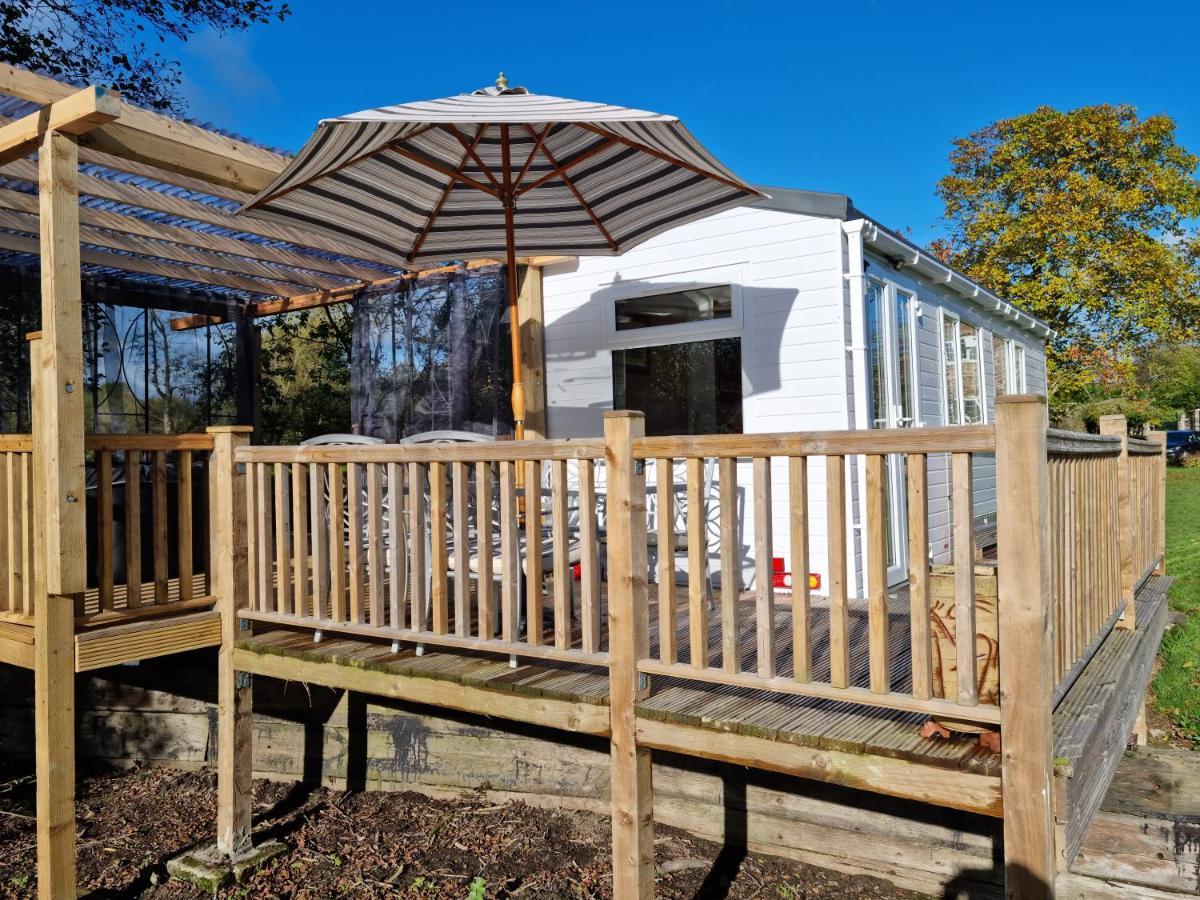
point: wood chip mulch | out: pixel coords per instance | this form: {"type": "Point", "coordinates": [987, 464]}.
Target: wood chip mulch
{"type": "Point", "coordinates": [382, 845]}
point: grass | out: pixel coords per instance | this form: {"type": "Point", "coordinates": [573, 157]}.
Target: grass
{"type": "Point", "coordinates": [1177, 685]}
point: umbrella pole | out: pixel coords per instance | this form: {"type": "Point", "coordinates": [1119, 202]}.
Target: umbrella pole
{"type": "Point", "coordinates": [514, 325]}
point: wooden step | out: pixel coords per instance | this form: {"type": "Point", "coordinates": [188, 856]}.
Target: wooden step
{"type": "Point", "coordinates": [100, 647]}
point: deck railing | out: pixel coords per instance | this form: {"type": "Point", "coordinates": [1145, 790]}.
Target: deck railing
{"type": "Point", "coordinates": [147, 524]}
{"type": "Point", "coordinates": [472, 546]}
{"type": "Point", "coordinates": [1085, 543]}
{"type": "Point", "coordinates": [1146, 475]}
{"type": "Point", "coordinates": [16, 527]}
{"type": "Point", "coordinates": [417, 543]}
{"type": "Point", "coordinates": [834, 652]}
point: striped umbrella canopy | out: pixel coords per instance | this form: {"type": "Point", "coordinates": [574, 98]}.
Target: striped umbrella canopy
{"type": "Point", "coordinates": [500, 171]}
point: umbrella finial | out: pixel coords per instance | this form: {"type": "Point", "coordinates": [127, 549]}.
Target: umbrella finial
{"type": "Point", "coordinates": [501, 82]}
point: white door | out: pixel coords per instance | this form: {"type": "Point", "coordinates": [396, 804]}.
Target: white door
{"type": "Point", "coordinates": [891, 358]}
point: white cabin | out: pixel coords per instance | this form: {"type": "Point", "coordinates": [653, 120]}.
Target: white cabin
{"type": "Point", "coordinates": [798, 313]}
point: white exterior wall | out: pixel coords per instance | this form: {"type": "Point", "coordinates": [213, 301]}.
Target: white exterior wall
{"type": "Point", "coordinates": [933, 299]}
{"type": "Point", "coordinates": [798, 326]}
{"type": "Point", "coordinates": [786, 269]}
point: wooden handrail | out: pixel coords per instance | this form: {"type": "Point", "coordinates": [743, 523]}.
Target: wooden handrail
{"type": "Point", "coordinates": [490, 451]}
{"type": "Point", "coordinates": [954, 439]}
{"type": "Point", "coordinates": [148, 442]}
{"type": "Point", "coordinates": [16, 443]}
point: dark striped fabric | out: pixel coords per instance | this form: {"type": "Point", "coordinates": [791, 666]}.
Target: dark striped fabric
{"type": "Point", "coordinates": [602, 180]}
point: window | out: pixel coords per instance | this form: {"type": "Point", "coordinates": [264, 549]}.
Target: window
{"type": "Point", "coordinates": [962, 373]}
{"type": "Point", "coordinates": [688, 388]}
{"type": "Point", "coordinates": [890, 355]}
{"type": "Point", "coordinates": [676, 308]}
{"type": "Point", "coordinates": [1008, 361]}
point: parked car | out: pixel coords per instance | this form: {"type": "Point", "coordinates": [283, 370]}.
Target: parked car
{"type": "Point", "coordinates": [1182, 443]}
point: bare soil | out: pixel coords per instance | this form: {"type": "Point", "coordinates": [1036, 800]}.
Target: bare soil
{"type": "Point", "coordinates": [381, 845]}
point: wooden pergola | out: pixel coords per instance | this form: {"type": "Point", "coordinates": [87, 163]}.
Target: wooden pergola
{"type": "Point", "coordinates": [120, 190]}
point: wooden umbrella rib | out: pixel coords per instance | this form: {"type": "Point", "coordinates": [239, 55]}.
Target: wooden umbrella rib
{"type": "Point", "coordinates": [445, 170]}
{"type": "Point", "coordinates": [585, 155]}
{"type": "Point", "coordinates": [541, 138]}
{"type": "Point", "coordinates": [666, 157]}
{"type": "Point", "coordinates": [470, 148]}
{"type": "Point", "coordinates": [578, 196]}
{"type": "Point", "coordinates": [437, 209]}
{"type": "Point", "coordinates": [283, 192]}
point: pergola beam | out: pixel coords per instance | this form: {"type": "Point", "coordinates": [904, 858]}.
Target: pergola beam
{"type": "Point", "coordinates": [19, 243]}
{"type": "Point", "coordinates": [159, 140]}
{"type": "Point", "coordinates": [115, 231]}
{"type": "Point", "coordinates": [75, 114]}
{"type": "Point", "coordinates": [344, 295]}
{"type": "Point", "coordinates": [204, 213]}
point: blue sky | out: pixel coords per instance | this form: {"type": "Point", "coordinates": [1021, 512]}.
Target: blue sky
{"type": "Point", "coordinates": [862, 98]}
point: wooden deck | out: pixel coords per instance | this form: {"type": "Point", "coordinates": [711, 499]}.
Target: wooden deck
{"type": "Point", "coordinates": [837, 742]}
{"type": "Point", "coordinates": [126, 634]}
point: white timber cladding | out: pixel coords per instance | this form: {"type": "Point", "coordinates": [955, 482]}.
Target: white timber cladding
{"type": "Point", "coordinates": [798, 315]}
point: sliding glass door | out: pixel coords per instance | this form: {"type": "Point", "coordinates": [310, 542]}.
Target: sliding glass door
{"type": "Point", "coordinates": [891, 362]}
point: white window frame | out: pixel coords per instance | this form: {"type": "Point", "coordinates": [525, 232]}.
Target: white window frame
{"type": "Point", "coordinates": [1015, 376]}
{"type": "Point", "coordinates": [945, 315]}
{"type": "Point", "coordinates": [684, 332]}
{"type": "Point", "coordinates": [891, 292]}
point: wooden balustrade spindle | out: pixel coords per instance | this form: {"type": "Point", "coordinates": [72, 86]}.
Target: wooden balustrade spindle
{"type": "Point", "coordinates": [160, 532]}
{"type": "Point", "coordinates": [265, 536]}
{"type": "Point", "coordinates": [668, 613]}
{"type": "Point", "coordinates": [133, 529]}
{"type": "Point", "coordinates": [918, 575]}
{"type": "Point", "coordinates": [877, 602]}
{"type": "Point", "coordinates": [300, 538]}
{"type": "Point", "coordinates": [439, 596]}
{"type": "Point", "coordinates": [283, 555]}
{"type": "Point", "coordinates": [801, 591]}
{"type": "Point", "coordinates": [731, 578]}
{"type": "Point", "coordinates": [697, 550]}
{"type": "Point", "coordinates": [839, 612]}
{"type": "Point", "coordinates": [510, 558]}
{"type": "Point", "coordinates": [374, 538]}
{"type": "Point", "coordinates": [964, 578]}
{"type": "Point", "coordinates": [533, 553]}
{"type": "Point", "coordinates": [395, 544]}
{"type": "Point", "coordinates": [416, 542]}
{"type": "Point", "coordinates": [459, 474]}
{"type": "Point", "coordinates": [560, 550]}
{"type": "Point", "coordinates": [589, 566]}
{"type": "Point", "coordinates": [318, 510]}
{"type": "Point", "coordinates": [764, 587]}
{"type": "Point", "coordinates": [337, 543]}
{"type": "Point", "coordinates": [354, 510]}
{"type": "Point", "coordinates": [184, 516]}
{"type": "Point", "coordinates": [104, 514]}
{"type": "Point", "coordinates": [484, 543]}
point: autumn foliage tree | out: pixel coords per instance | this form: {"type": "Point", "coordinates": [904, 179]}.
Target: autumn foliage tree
{"type": "Point", "coordinates": [118, 43]}
{"type": "Point", "coordinates": [1086, 219]}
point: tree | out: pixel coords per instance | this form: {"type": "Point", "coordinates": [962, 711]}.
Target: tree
{"type": "Point", "coordinates": [306, 373]}
{"type": "Point", "coordinates": [106, 41]}
{"type": "Point", "coordinates": [1081, 218]}
{"type": "Point", "coordinates": [1170, 376]}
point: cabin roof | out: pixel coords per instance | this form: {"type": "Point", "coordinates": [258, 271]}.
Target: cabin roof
{"type": "Point", "coordinates": [902, 252]}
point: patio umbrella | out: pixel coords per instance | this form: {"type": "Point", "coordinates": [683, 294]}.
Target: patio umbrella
{"type": "Point", "coordinates": [500, 171]}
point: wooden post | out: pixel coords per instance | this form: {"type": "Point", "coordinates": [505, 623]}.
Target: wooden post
{"type": "Point", "coordinates": [1117, 426]}
{"type": "Point", "coordinates": [1160, 488]}
{"type": "Point", "coordinates": [1026, 646]}
{"type": "Point", "coordinates": [231, 588]}
{"type": "Point", "coordinates": [629, 641]}
{"type": "Point", "coordinates": [531, 321]}
{"type": "Point", "coordinates": [57, 385]}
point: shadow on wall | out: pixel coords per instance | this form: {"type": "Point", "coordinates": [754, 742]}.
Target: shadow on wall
{"type": "Point", "coordinates": [579, 372]}
{"type": "Point", "coordinates": [579, 368]}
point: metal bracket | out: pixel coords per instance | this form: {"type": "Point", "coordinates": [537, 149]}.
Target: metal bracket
{"type": "Point", "coordinates": [241, 680]}
{"type": "Point", "coordinates": [639, 467]}
{"type": "Point", "coordinates": [240, 468]}
{"type": "Point", "coordinates": [643, 681]}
